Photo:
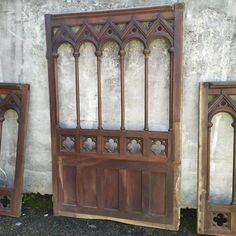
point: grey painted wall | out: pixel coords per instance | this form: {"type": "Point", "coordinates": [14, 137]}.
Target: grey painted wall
{"type": "Point", "coordinates": [209, 55]}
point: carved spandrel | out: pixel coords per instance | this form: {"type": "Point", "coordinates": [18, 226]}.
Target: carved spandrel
{"type": "Point", "coordinates": [118, 32]}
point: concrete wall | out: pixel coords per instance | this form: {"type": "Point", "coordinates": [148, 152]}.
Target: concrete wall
{"type": "Point", "coordinates": [209, 55]}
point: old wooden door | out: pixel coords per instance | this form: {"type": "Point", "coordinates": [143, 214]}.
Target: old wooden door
{"type": "Point", "coordinates": [127, 174]}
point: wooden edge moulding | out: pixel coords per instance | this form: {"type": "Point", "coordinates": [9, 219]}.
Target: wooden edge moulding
{"type": "Point", "coordinates": [14, 97]}
{"type": "Point", "coordinates": [136, 179]}
{"type": "Point", "coordinates": [214, 219]}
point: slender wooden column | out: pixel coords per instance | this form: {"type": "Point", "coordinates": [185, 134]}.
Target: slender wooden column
{"type": "Point", "coordinates": [146, 53]}
{"type": "Point", "coordinates": [55, 56]}
{"type": "Point", "coordinates": [234, 165]}
{"type": "Point", "coordinates": [1, 123]}
{"type": "Point", "coordinates": [171, 51]}
{"type": "Point", "coordinates": [122, 87]}
{"type": "Point", "coordinates": [99, 55]}
{"type": "Point", "coordinates": [210, 124]}
{"type": "Point", "coordinates": [76, 55]}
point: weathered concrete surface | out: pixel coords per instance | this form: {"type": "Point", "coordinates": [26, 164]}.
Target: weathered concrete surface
{"type": "Point", "coordinates": [209, 55]}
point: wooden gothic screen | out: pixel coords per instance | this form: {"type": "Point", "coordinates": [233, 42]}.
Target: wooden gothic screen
{"type": "Point", "coordinates": [216, 213]}
{"type": "Point", "coordinates": [14, 100]}
{"type": "Point", "coordinates": [120, 174]}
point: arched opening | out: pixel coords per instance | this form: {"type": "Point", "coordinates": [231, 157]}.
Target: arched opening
{"type": "Point", "coordinates": [221, 159]}
{"type": "Point", "coordinates": [134, 85]}
{"type": "Point", "coordinates": [66, 87]}
{"type": "Point", "coordinates": [158, 85]}
{"type": "Point", "coordinates": [88, 86]}
{"type": "Point", "coordinates": [8, 149]}
{"type": "Point", "coordinates": [110, 80]}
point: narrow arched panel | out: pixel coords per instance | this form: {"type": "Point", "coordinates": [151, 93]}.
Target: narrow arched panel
{"type": "Point", "coordinates": [8, 149]}
{"type": "Point", "coordinates": [134, 86]}
{"type": "Point", "coordinates": [221, 159]}
{"type": "Point", "coordinates": [158, 86]}
{"type": "Point", "coordinates": [66, 86]}
{"type": "Point", "coordinates": [88, 86]}
{"type": "Point", "coordinates": [110, 78]}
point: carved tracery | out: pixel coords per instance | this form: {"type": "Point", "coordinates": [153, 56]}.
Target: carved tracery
{"type": "Point", "coordinates": [13, 106]}
{"type": "Point", "coordinates": [216, 217]}
{"type": "Point", "coordinates": [109, 169]}
{"type": "Point", "coordinates": [111, 30]}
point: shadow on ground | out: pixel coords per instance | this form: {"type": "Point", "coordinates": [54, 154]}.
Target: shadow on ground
{"type": "Point", "coordinates": [37, 219]}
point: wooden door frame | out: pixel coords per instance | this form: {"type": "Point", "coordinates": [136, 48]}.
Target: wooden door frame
{"type": "Point", "coordinates": [207, 211]}
{"type": "Point", "coordinates": [110, 17]}
{"type": "Point", "coordinates": [17, 99]}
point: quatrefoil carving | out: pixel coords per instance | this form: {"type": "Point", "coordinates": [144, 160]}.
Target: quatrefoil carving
{"type": "Point", "coordinates": [5, 201]}
{"type": "Point", "coordinates": [220, 220]}
{"type": "Point", "coordinates": [158, 147]}
{"type": "Point", "coordinates": [68, 143]}
{"type": "Point", "coordinates": [89, 144]}
{"type": "Point", "coordinates": [111, 145]}
{"type": "Point", "coordinates": [134, 146]}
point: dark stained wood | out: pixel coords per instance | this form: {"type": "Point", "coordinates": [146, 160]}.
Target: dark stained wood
{"type": "Point", "coordinates": [120, 15]}
{"type": "Point", "coordinates": [17, 99]}
{"type": "Point", "coordinates": [121, 183]}
{"type": "Point", "coordinates": [89, 186]}
{"type": "Point", "coordinates": [214, 219]}
{"type": "Point", "coordinates": [99, 55]}
{"type": "Point", "coordinates": [110, 189]}
{"type": "Point", "coordinates": [122, 82]}
{"type": "Point", "coordinates": [76, 55]}
{"type": "Point", "coordinates": [69, 189]}
{"type": "Point", "coordinates": [158, 194]}
{"type": "Point", "coordinates": [146, 55]}
{"type": "Point", "coordinates": [133, 190]}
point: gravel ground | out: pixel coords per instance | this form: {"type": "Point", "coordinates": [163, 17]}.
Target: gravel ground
{"type": "Point", "coordinates": [35, 221]}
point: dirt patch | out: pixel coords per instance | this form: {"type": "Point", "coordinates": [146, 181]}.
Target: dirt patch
{"type": "Point", "coordinates": [35, 221]}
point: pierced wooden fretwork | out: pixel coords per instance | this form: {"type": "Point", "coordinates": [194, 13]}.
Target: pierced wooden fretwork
{"type": "Point", "coordinates": [220, 220]}
{"type": "Point", "coordinates": [120, 33]}
{"type": "Point", "coordinates": [89, 144]}
{"type": "Point", "coordinates": [159, 147]}
{"type": "Point", "coordinates": [134, 145]}
{"type": "Point", "coordinates": [5, 202]}
{"type": "Point", "coordinates": [111, 144]}
{"type": "Point", "coordinates": [215, 219]}
{"type": "Point", "coordinates": [68, 143]}
{"type": "Point", "coordinates": [13, 97]}
{"type": "Point", "coordinates": [118, 174]}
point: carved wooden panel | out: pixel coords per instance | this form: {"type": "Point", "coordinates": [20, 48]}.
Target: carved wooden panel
{"type": "Point", "coordinates": [120, 174]}
{"type": "Point", "coordinates": [214, 217]}
{"type": "Point", "coordinates": [13, 98]}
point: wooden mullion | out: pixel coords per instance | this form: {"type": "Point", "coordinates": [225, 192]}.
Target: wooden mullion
{"type": "Point", "coordinates": [76, 55]}
{"type": "Point", "coordinates": [99, 55]}
{"type": "Point", "coordinates": [234, 166]}
{"type": "Point", "coordinates": [122, 82]}
{"type": "Point", "coordinates": [146, 52]}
